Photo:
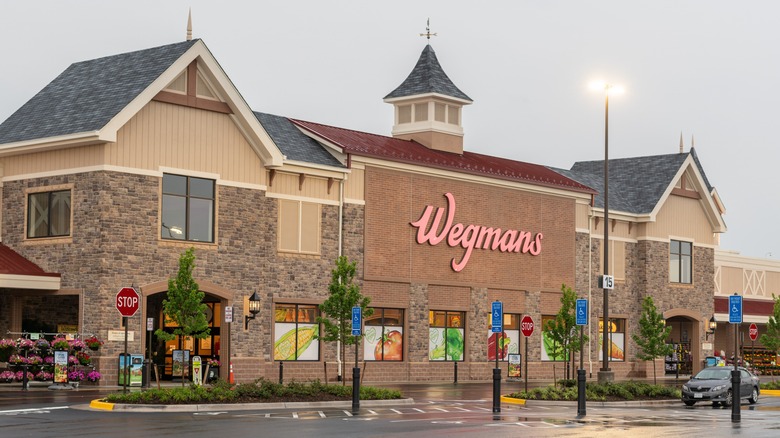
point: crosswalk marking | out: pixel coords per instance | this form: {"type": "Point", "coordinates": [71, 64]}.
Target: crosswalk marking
{"type": "Point", "coordinates": [349, 414]}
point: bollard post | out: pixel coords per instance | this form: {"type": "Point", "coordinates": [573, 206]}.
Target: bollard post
{"type": "Point", "coordinates": [496, 390]}
{"type": "Point", "coordinates": [281, 372]}
{"type": "Point", "coordinates": [456, 371]}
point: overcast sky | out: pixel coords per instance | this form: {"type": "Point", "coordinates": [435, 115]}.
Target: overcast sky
{"type": "Point", "coordinates": [708, 69]}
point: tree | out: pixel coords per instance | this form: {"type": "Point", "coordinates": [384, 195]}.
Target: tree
{"type": "Point", "coordinates": [653, 332]}
{"type": "Point", "coordinates": [184, 305]}
{"type": "Point", "coordinates": [561, 337]}
{"type": "Point", "coordinates": [771, 339]}
{"type": "Point", "coordinates": [336, 311]}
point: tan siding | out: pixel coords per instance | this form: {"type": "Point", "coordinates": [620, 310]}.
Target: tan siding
{"type": "Point", "coordinates": [772, 283]}
{"type": "Point", "coordinates": [49, 161]}
{"type": "Point", "coordinates": [682, 217]}
{"type": "Point", "coordinates": [730, 280]}
{"type": "Point", "coordinates": [288, 225]}
{"type": "Point", "coordinates": [582, 212]}
{"type": "Point", "coordinates": [310, 227]}
{"type": "Point", "coordinates": [313, 187]}
{"type": "Point", "coordinates": [354, 188]}
{"type": "Point", "coordinates": [186, 138]}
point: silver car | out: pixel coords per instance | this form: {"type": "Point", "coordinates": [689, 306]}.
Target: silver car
{"type": "Point", "coordinates": [713, 384]}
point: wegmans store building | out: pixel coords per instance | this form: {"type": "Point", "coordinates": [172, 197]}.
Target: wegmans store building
{"type": "Point", "coordinates": [122, 163]}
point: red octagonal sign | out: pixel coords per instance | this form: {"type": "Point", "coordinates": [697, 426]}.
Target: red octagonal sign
{"type": "Point", "coordinates": [527, 326]}
{"type": "Point", "coordinates": [753, 331]}
{"type": "Point", "coordinates": [127, 301]}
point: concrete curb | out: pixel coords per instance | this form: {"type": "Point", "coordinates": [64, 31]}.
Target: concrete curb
{"type": "Point", "coordinates": [601, 404]}
{"type": "Point", "coordinates": [101, 405]}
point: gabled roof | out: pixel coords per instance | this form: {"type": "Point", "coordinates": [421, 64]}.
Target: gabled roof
{"type": "Point", "coordinates": [411, 152]}
{"type": "Point", "coordinates": [426, 77]}
{"type": "Point", "coordinates": [638, 185]}
{"type": "Point", "coordinates": [88, 94]}
{"type": "Point", "coordinates": [293, 143]}
{"type": "Point", "coordinates": [18, 272]}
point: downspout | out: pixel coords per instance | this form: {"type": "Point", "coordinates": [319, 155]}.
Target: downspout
{"type": "Point", "coordinates": [590, 282]}
{"type": "Point", "coordinates": [341, 250]}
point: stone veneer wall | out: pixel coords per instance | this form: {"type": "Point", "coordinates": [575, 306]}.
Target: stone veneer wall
{"type": "Point", "coordinates": [115, 244]}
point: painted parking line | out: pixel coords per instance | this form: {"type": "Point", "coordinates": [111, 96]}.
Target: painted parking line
{"type": "Point", "coordinates": [32, 410]}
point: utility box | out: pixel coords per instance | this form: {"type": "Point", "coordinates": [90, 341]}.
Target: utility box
{"type": "Point", "coordinates": [131, 369]}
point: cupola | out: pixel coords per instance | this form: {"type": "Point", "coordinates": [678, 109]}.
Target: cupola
{"type": "Point", "coordinates": [428, 106]}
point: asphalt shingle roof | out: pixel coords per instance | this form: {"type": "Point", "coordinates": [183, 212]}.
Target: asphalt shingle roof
{"type": "Point", "coordinates": [635, 184]}
{"type": "Point", "coordinates": [427, 76]}
{"type": "Point", "coordinates": [294, 144]}
{"type": "Point", "coordinates": [88, 94]}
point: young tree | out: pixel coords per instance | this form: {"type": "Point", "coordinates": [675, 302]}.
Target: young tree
{"type": "Point", "coordinates": [184, 305]}
{"type": "Point", "coordinates": [652, 335]}
{"type": "Point", "coordinates": [771, 339]}
{"type": "Point", "coordinates": [562, 339]}
{"type": "Point", "coordinates": [336, 317]}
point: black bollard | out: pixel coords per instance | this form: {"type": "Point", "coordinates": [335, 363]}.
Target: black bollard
{"type": "Point", "coordinates": [281, 373]}
{"type": "Point", "coordinates": [580, 392]}
{"type": "Point", "coordinates": [496, 390]}
{"type": "Point", "coordinates": [355, 390]}
{"type": "Point", "coordinates": [736, 415]}
{"type": "Point", "coordinates": [456, 371]}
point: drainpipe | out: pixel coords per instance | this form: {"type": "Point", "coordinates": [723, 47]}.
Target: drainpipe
{"type": "Point", "coordinates": [590, 284]}
{"type": "Point", "coordinates": [341, 250]}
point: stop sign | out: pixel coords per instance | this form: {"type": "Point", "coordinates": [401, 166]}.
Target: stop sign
{"type": "Point", "coordinates": [527, 326]}
{"type": "Point", "coordinates": [753, 332]}
{"type": "Point", "coordinates": [127, 301]}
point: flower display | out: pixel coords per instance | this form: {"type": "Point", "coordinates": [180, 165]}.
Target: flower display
{"type": "Point", "coordinates": [93, 343]}
{"type": "Point", "coordinates": [44, 376]}
{"type": "Point", "coordinates": [7, 343]}
{"type": "Point", "coordinates": [60, 344]}
{"type": "Point", "coordinates": [34, 360]}
{"type": "Point", "coordinates": [7, 377]}
{"type": "Point", "coordinates": [212, 362]}
{"type": "Point", "coordinates": [19, 376]}
{"type": "Point", "coordinates": [72, 360]}
{"type": "Point", "coordinates": [93, 376]}
{"type": "Point", "coordinates": [42, 344]}
{"type": "Point", "coordinates": [16, 359]}
{"type": "Point", "coordinates": [77, 344]}
{"type": "Point", "coordinates": [83, 358]}
{"type": "Point", "coordinates": [24, 344]}
{"type": "Point", "coordinates": [7, 348]}
{"type": "Point", "coordinates": [76, 376]}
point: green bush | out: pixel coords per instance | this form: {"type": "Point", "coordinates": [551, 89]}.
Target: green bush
{"type": "Point", "coordinates": [628, 390]}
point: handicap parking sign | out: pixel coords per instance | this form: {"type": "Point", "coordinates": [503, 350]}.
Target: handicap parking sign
{"type": "Point", "coordinates": [581, 310]}
{"type": "Point", "coordinates": [735, 309]}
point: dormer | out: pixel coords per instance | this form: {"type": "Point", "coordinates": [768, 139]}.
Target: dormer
{"type": "Point", "coordinates": [428, 106]}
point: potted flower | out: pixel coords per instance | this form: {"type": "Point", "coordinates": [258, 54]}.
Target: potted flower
{"type": "Point", "coordinates": [72, 360]}
{"type": "Point", "coordinates": [24, 344]}
{"type": "Point", "coordinates": [7, 376]}
{"type": "Point", "coordinates": [17, 359]}
{"type": "Point", "coordinates": [83, 358]}
{"type": "Point", "coordinates": [44, 376]}
{"type": "Point", "coordinates": [19, 376]}
{"type": "Point", "coordinates": [213, 363]}
{"type": "Point", "coordinates": [93, 376]}
{"type": "Point", "coordinates": [7, 348]}
{"type": "Point", "coordinates": [77, 344]}
{"type": "Point", "coordinates": [93, 343]}
{"type": "Point", "coordinates": [34, 360]}
{"type": "Point", "coordinates": [60, 344]}
{"type": "Point", "coordinates": [48, 363]}
{"type": "Point", "coordinates": [76, 376]}
{"type": "Point", "coordinates": [42, 345]}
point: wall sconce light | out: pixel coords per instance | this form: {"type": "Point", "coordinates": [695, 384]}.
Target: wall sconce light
{"type": "Point", "coordinates": [254, 309]}
{"type": "Point", "coordinates": [712, 326]}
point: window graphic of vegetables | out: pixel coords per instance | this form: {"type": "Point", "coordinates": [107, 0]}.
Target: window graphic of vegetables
{"type": "Point", "coordinates": [450, 348]}
{"type": "Point", "coordinates": [503, 345]}
{"type": "Point", "coordinates": [553, 350]}
{"type": "Point", "coordinates": [392, 344]}
{"type": "Point", "coordinates": [615, 352]}
{"type": "Point", "coordinates": [284, 347]}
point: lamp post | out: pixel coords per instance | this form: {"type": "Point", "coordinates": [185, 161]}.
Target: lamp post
{"type": "Point", "coordinates": [606, 374]}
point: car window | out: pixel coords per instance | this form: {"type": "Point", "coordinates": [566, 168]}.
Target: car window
{"type": "Point", "coordinates": [745, 374]}
{"type": "Point", "coordinates": [713, 374]}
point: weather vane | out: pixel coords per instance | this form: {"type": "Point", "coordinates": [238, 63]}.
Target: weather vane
{"type": "Point", "coordinates": [428, 33]}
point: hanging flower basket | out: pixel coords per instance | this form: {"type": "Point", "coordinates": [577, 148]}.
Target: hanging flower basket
{"type": "Point", "coordinates": [83, 358]}
{"type": "Point", "coordinates": [94, 376]}
{"type": "Point", "coordinates": [7, 348]}
{"type": "Point", "coordinates": [44, 376]}
{"type": "Point", "coordinates": [19, 376]}
{"type": "Point", "coordinates": [60, 344]}
{"type": "Point", "coordinates": [77, 344]}
{"type": "Point", "coordinates": [24, 344]}
{"type": "Point", "coordinates": [76, 376]}
{"type": "Point", "coordinates": [93, 343]}
{"type": "Point", "coordinates": [42, 345]}
{"type": "Point", "coordinates": [7, 377]}
{"type": "Point", "coordinates": [17, 359]}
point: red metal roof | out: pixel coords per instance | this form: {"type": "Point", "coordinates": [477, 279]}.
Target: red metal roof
{"type": "Point", "coordinates": [409, 151]}
{"type": "Point", "coordinates": [14, 264]}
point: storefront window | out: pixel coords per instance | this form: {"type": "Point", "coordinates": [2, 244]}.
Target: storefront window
{"type": "Point", "coordinates": [551, 350]}
{"type": "Point", "coordinates": [384, 339]}
{"type": "Point", "coordinates": [446, 335]}
{"type": "Point", "coordinates": [295, 326]}
{"type": "Point", "coordinates": [617, 339]}
{"type": "Point", "coordinates": [508, 342]}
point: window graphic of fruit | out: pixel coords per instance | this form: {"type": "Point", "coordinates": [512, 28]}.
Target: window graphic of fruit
{"type": "Point", "coordinates": [393, 345]}
{"type": "Point", "coordinates": [503, 345]}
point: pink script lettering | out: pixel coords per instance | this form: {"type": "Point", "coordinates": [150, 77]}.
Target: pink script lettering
{"type": "Point", "coordinates": [470, 237]}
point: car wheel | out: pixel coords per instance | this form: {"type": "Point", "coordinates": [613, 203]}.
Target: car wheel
{"type": "Point", "coordinates": [689, 402]}
{"type": "Point", "coordinates": [729, 399]}
{"type": "Point", "coordinates": [715, 404]}
{"type": "Point", "coordinates": [754, 396]}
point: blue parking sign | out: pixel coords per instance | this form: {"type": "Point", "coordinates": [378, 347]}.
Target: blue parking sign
{"type": "Point", "coordinates": [357, 319]}
{"type": "Point", "coordinates": [581, 310]}
{"type": "Point", "coordinates": [735, 309]}
{"type": "Point", "coordinates": [497, 317]}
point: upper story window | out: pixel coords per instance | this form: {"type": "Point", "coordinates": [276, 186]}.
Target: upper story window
{"type": "Point", "coordinates": [48, 214]}
{"type": "Point", "coordinates": [680, 261]}
{"type": "Point", "coordinates": [187, 208]}
{"type": "Point", "coordinates": [299, 227]}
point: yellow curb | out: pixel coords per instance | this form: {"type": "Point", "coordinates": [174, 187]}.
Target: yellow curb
{"type": "Point", "coordinates": [512, 400]}
{"type": "Point", "coordinates": [772, 392]}
{"type": "Point", "coordinates": [99, 404]}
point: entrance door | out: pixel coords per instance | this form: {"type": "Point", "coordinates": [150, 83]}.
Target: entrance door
{"type": "Point", "coordinates": [206, 348]}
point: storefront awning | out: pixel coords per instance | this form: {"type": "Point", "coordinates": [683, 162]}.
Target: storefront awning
{"type": "Point", "coordinates": [16, 272]}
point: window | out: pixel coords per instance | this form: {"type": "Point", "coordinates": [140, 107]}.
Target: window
{"type": "Point", "coordinates": [48, 214]}
{"type": "Point", "coordinates": [295, 326]}
{"type": "Point", "coordinates": [445, 335]}
{"type": "Point", "coordinates": [551, 350]}
{"type": "Point", "coordinates": [680, 254]}
{"type": "Point", "coordinates": [187, 208]}
{"type": "Point", "coordinates": [617, 339]}
{"type": "Point", "coordinates": [299, 227]}
{"type": "Point", "coordinates": [384, 338]}
{"type": "Point", "coordinates": [508, 341]}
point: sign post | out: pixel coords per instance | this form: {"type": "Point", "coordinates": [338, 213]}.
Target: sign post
{"type": "Point", "coordinates": [497, 326]}
{"type": "Point", "coordinates": [527, 327]}
{"type": "Point", "coordinates": [127, 304]}
{"type": "Point", "coordinates": [735, 317]}
{"type": "Point", "coordinates": [357, 322]}
{"type": "Point", "coordinates": [581, 310]}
